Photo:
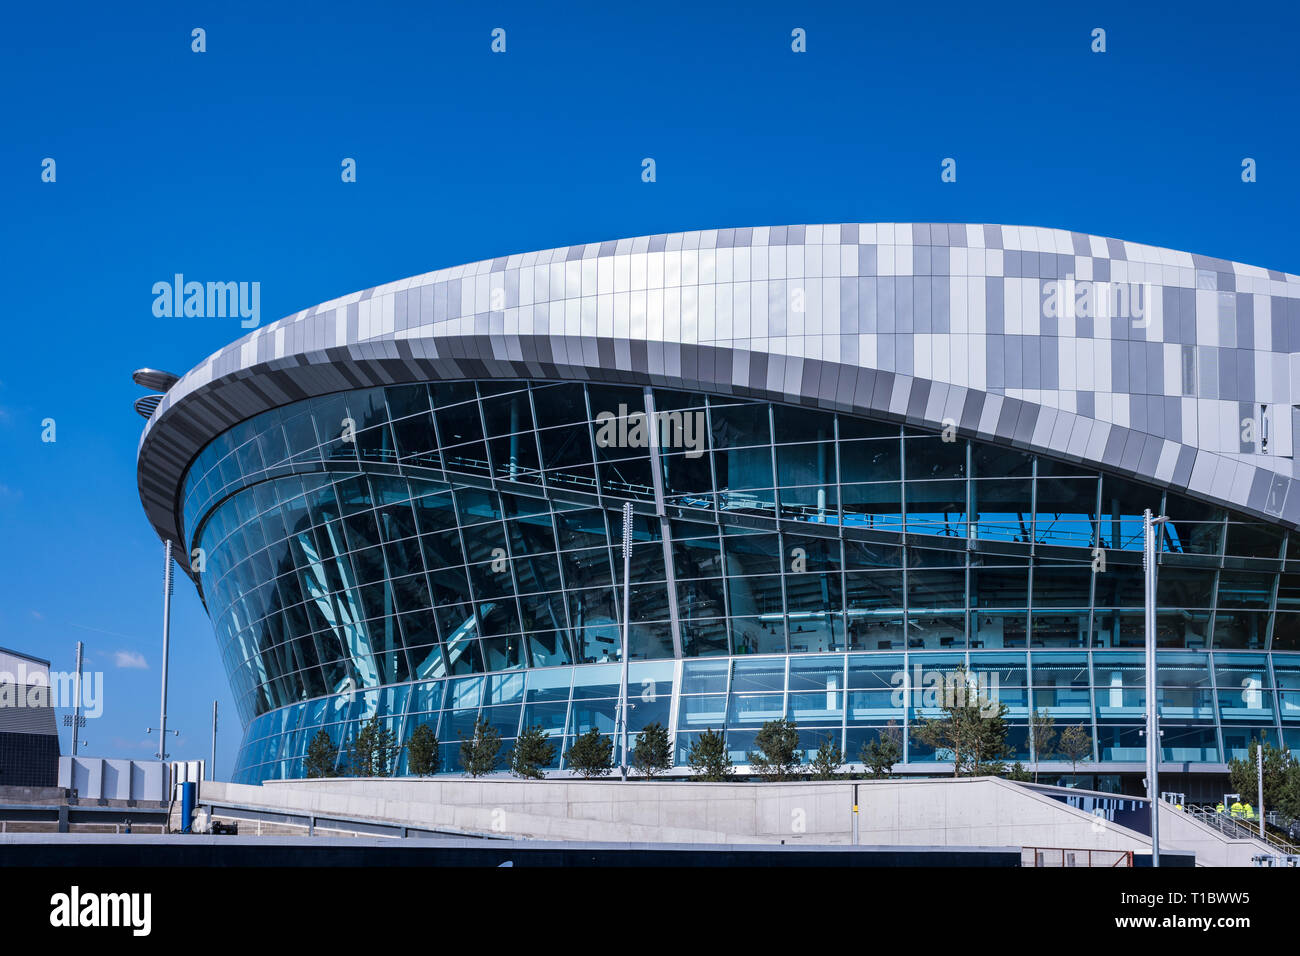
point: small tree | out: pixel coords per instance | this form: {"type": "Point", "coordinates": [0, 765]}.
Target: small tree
{"type": "Point", "coordinates": [880, 755]}
{"type": "Point", "coordinates": [777, 757]}
{"type": "Point", "coordinates": [828, 759]}
{"type": "Point", "coordinates": [480, 752]}
{"type": "Point", "coordinates": [1075, 745]}
{"type": "Point", "coordinates": [373, 749]}
{"type": "Point", "coordinates": [1019, 773]}
{"type": "Point", "coordinates": [988, 759]}
{"type": "Point", "coordinates": [592, 754]}
{"type": "Point", "coordinates": [709, 757]}
{"type": "Point", "coordinates": [1289, 799]}
{"type": "Point", "coordinates": [533, 752]}
{"type": "Point", "coordinates": [652, 754]}
{"type": "Point", "coordinates": [1042, 730]}
{"type": "Point", "coordinates": [972, 728]}
{"type": "Point", "coordinates": [1279, 778]}
{"type": "Point", "coordinates": [422, 757]}
{"type": "Point", "coordinates": [322, 756]}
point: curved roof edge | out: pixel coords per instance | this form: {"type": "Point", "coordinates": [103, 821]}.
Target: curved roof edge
{"type": "Point", "coordinates": [430, 327]}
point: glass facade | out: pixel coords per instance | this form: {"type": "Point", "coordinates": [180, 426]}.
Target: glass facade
{"type": "Point", "coordinates": [432, 553]}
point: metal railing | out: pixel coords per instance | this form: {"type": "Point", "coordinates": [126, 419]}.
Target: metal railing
{"type": "Point", "coordinates": [1056, 856]}
{"type": "Point", "coordinates": [1238, 828]}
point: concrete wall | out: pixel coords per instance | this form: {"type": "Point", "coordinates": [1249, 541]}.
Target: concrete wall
{"type": "Point", "coordinates": [30, 795]}
{"type": "Point", "coordinates": [964, 812]}
{"type": "Point", "coordinates": [982, 811]}
{"type": "Point", "coordinates": [1182, 832]}
{"type": "Point", "coordinates": [95, 778]}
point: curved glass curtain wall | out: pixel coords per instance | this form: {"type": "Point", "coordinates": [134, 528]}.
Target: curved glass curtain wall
{"type": "Point", "coordinates": [430, 553]}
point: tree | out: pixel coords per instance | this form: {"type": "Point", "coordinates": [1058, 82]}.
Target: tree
{"type": "Point", "coordinates": [1019, 773]}
{"type": "Point", "coordinates": [652, 753]}
{"type": "Point", "coordinates": [972, 729]}
{"type": "Point", "coordinates": [480, 752]}
{"type": "Point", "coordinates": [592, 754]}
{"type": "Point", "coordinates": [322, 756]}
{"type": "Point", "coordinates": [828, 759]}
{"type": "Point", "coordinates": [709, 757]}
{"type": "Point", "coordinates": [777, 757]}
{"type": "Point", "coordinates": [1280, 779]}
{"type": "Point", "coordinates": [533, 752]}
{"type": "Point", "coordinates": [1075, 745]}
{"type": "Point", "coordinates": [988, 758]}
{"type": "Point", "coordinates": [422, 757]}
{"type": "Point", "coordinates": [1289, 799]}
{"type": "Point", "coordinates": [1042, 731]}
{"type": "Point", "coordinates": [880, 755]}
{"type": "Point", "coordinates": [373, 750]}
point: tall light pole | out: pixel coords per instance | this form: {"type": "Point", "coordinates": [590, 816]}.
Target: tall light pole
{"type": "Point", "coordinates": [76, 705]}
{"type": "Point", "coordinates": [167, 634]}
{"type": "Point", "coordinates": [1153, 727]}
{"type": "Point", "coordinates": [627, 617]}
{"type": "Point", "coordinates": [1259, 770]}
{"type": "Point", "coordinates": [212, 771]}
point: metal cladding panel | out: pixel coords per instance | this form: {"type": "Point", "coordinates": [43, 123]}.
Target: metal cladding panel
{"type": "Point", "coordinates": [766, 313]}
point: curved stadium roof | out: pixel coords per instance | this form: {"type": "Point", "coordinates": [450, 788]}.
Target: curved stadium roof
{"type": "Point", "coordinates": [922, 322]}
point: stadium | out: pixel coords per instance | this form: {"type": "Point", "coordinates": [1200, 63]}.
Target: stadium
{"type": "Point", "coordinates": [856, 455]}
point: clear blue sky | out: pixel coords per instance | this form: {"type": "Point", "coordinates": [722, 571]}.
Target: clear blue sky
{"type": "Point", "coordinates": [225, 166]}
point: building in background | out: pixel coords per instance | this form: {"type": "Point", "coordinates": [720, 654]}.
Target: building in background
{"type": "Point", "coordinates": [29, 734]}
{"type": "Point", "coordinates": [875, 453]}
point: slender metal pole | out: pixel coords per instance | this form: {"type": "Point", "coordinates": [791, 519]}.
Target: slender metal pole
{"type": "Point", "coordinates": [212, 769]}
{"type": "Point", "coordinates": [1259, 769]}
{"type": "Point", "coordinates": [167, 634]}
{"type": "Point", "coordinates": [627, 617]}
{"type": "Point", "coordinates": [76, 705]}
{"type": "Point", "coordinates": [1153, 734]}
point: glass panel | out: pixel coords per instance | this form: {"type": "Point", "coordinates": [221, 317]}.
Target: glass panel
{"type": "Point", "coordinates": [1062, 584]}
{"type": "Point", "coordinates": [1287, 673]}
{"type": "Point", "coordinates": [1253, 540]}
{"type": "Point", "coordinates": [1193, 527]}
{"type": "Point", "coordinates": [704, 677]}
{"type": "Point", "coordinates": [863, 462]}
{"type": "Point", "coordinates": [1122, 504]}
{"type": "Point", "coordinates": [1244, 689]}
{"type": "Point", "coordinates": [1002, 509]}
{"type": "Point", "coordinates": [739, 426]}
{"type": "Point", "coordinates": [766, 674]}
{"type": "Point", "coordinates": [1120, 681]}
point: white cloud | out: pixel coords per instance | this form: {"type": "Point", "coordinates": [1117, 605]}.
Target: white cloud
{"type": "Point", "coordinates": [130, 659]}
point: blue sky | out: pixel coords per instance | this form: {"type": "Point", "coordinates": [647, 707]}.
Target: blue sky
{"type": "Point", "coordinates": [225, 166]}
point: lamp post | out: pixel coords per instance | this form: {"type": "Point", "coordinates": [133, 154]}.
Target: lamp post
{"type": "Point", "coordinates": [1259, 771]}
{"type": "Point", "coordinates": [167, 633]}
{"type": "Point", "coordinates": [77, 719]}
{"type": "Point", "coordinates": [212, 771]}
{"type": "Point", "coordinates": [627, 617]}
{"type": "Point", "coordinates": [1153, 728]}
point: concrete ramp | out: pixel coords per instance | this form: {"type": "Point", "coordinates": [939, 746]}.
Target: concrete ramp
{"type": "Point", "coordinates": [961, 812]}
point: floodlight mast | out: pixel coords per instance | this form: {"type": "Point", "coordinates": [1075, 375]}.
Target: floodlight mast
{"type": "Point", "coordinates": [627, 590]}
{"type": "Point", "coordinates": [167, 631]}
{"type": "Point", "coordinates": [1152, 723]}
